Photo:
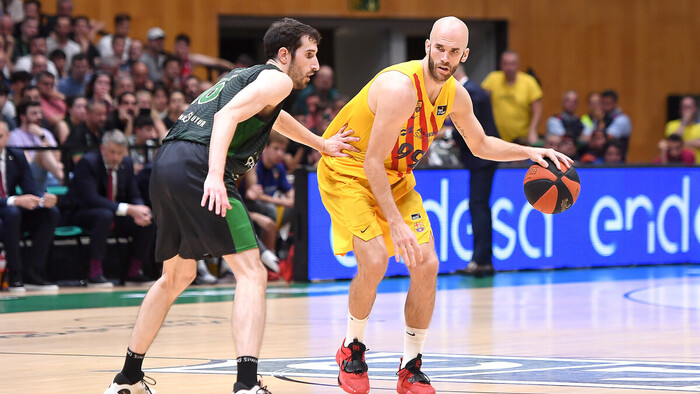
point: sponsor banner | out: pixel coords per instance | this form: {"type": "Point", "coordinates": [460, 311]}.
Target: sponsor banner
{"type": "Point", "coordinates": [627, 215]}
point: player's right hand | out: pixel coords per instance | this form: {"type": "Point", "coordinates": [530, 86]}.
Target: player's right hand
{"type": "Point", "coordinates": [215, 192]}
{"type": "Point", "coordinates": [405, 244]}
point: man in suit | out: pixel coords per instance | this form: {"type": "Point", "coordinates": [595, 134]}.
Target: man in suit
{"type": "Point", "coordinates": [31, 211]}
{"type": "Point", "coordinates": [103, 195]}
{"type": "Point", "coordinates": [481, 174]}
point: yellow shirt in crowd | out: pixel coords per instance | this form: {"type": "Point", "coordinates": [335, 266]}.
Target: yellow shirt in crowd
{"type": "Point", "coordinates": [511, 103]}
{"type": "Point", "coordinates": [690, 133]}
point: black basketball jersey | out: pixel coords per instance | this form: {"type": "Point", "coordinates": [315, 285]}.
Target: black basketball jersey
{"type": "Point", "coordinates": [196, 123]}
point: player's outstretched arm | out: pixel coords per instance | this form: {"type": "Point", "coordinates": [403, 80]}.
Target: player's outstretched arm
{"type": "Point", "coordinates": [492, 148]}
{"type": "Point", "coordinates": [334, 146]}
{"type": "Point", "coordinates": [392, 98]}
{"type": "Point", "coordinates": [269, 89]}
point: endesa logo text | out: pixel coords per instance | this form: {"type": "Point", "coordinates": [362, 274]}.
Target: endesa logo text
{"type": "Point", "coordinates": [623, 216]}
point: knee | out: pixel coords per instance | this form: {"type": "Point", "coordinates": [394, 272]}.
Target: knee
{"type": "Point", "coordinates": [373, 266]}
{"type": "Point", "coordinates": [428, 268]}
{"type": "Point", "coordinates": [177, 280]}
{"type": "Point", "coordinates": [251, 270]}
{"type": "Point", "coordinates": [103, 217]}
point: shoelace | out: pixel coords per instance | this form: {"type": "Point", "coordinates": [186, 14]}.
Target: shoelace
{"type": "Point", "coordinates": [417, 375]}
{"type": "Point", "coordinates": [355, 364]}
{"type": "Point", "coordinates": [148, 381]}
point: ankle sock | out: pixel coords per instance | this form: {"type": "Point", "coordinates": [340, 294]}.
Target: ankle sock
{"type": "Point", "coordinates": [413, 341]}
{"type": "Point", "coordinates": [247, 371]}
{"type": "Point", "coordinates": [132, 366]}
{"type": "Point", "coordinates": [356, 329]}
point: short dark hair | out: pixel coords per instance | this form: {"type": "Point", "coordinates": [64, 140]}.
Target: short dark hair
{"type": "Point", "coordinates": [81, 17]}
{"type": "Point", "coordinates": [610, 93]}
{"type": "Point", "coordinates": [119, 18]}
{"type": "Point", "coordinates": [4, 90]}
{"type": "Point", "coordinates": [57, 54]}
{"type": "Point", "coordinates": [287, 33]}
{"type": "Point", "coordinates": [70, 100]}
{"type": "Point", "coordinates": [27, 88]}
{"type": "Point", "coordinates": [24, 106]}
{"type": "Point", "coordinates": [183, 37]}
{"type": "Point", "coordinates": [675, 138]}
{"type": "Point", "coordinates": [92, 103]}
{"type": "Point", "coordinates": [45, 74]}
{"type": "Point", "coordinates": [78, 57]}
{"type": "Point", "coordinates": [143, 121]}
{"type": "Point", "coordinates": [121, 97]}
{"type": "Point", "coordinates": [170, 59]}
{"type": "Point", "coordinates": [35, 2]}
{"type": "Point", "coordinates": [20, 76]}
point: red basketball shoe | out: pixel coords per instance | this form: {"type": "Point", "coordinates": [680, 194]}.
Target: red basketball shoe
{"type": "Point", "coordinates": [353, 369]}
{"type": "Point", "coordinates": [412, 380]}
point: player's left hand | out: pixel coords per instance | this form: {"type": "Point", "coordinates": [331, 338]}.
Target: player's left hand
{"type": "Point", "coordinates": [335, 145]}
{"type": "Point", "coordinates": [215, 192]}
{"type": "Point", "coordinates": [538, 154]}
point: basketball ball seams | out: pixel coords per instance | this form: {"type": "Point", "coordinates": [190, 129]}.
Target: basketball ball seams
{"type": "Point", "coordinates": [551, 190]}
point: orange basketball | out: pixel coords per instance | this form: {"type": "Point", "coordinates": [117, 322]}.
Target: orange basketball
{"type": "Point", "coordinates": [550, 190]}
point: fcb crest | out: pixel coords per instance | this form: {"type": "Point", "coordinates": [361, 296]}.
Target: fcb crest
{"type": "Point", "coordinates": [419, 226]}
{"type": "Point", "coordinates": [441, 109]}
{"type": "Point", "coordinates": [419, 105]}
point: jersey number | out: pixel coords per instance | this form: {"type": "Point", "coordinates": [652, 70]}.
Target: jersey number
{"type": "Point", "coordinates": [406, 149]}
{"type": "Point", "coordinates": [213, 92]}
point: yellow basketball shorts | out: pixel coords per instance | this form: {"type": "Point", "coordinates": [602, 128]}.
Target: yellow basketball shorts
{"type": "Point", "coordinates": [354, 211]}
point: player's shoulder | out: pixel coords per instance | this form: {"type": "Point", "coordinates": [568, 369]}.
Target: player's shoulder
{"type": "Point", "coordinates": [395, 82]}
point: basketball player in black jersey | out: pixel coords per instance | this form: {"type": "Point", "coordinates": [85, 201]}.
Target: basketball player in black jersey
{"type": "Point", "coordinates": [197, 208]}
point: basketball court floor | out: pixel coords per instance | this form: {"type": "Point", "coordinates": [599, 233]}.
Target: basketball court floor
{"type": "Point", "coordinates": [607, 330]}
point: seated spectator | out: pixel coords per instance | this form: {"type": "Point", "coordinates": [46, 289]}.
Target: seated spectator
{"type": "Point", "coordinates": [18, 81]}
{"type": "Point", "coordinates": [74, 83]}
{"type": "Point", "coordinates": [122, 117]}
{"type": "Point", "coordinates": [60, 39]}
{"type": "Point", "coordinates": [614, 152]}
{"type": "Point", "coordinates": [77, 114]}
{"type": "Point", "coordinates": [171, 74]}
{"type": "Point", "coordinates": [29, 28]}
{"type": "Point", "coordinates": [594, 116]}
{"type": "Point", "coordinates": [122, 25]}
{"type": "Point", "coordinates": [45, 165]}
{"type": "Point", "coordinates": [552, 141]}
{"type": "Point", "coordinates": [124, 84]}
{"type": "Point", "coordinates": [617, 124]}
{"type": "Point", "coordinates": [32, 211]}
{"type": "Point", "coordinates": [38, 54]}
{"type": "Point", "coordinates": [141, 80]}
{"type": "Point", "coordinates": [595, 150]}
{"type": "Point", "coordinates": [272, 175]}
{"type": "Point", "coordinates": [100, 88]}
{"type": "Point", "coordinates": [176, 106]}
{"type": "Point", "coordinates": [142, 143]}
{"type": "Point", "coordinates": [153, 57]}
{"type": "Point", "coordinates": [568, 147]}
{"type": "Point", "coordinates": [189, 60]}
{"type": "Point", "coordinates": [671, 151]}
{"type": "Point", "coordinates": [321, 85]}
{"type": "Point", "coordinates": [265, 227]}
{"type": "Point", "coordinates": [160, 100]}
{"type": "Point", "coordinates": [192, 88]}
{"type": "Point", "coordinates": [52, 101]}
{"type": "Point", "coordinates": [135, 52]}
{"type": "Point", "coordinates": [117, 57]}
{"type": "Point", "coordinates": [83, 35]}
{"type": "Point", "coordinates": [86, 137]}
{"type": "Point", "coordinates": [103, 194]}
{"type": "Point", "coordinates": [687, 127]}
{"type": "Point", "coordinates": [58, 58]}
{"type": "Point", "coordinates": [144, 101]}
{"type": "Point", "coordinates": [4, 96]}
{"type": "Point", "coordinates": [567, 121]}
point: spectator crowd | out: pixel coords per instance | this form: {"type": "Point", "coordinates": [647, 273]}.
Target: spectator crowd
{"type": "Point", "coordinates": [84, 115]}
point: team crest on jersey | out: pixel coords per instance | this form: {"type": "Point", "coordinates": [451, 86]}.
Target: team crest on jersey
{"type": "Point", "coordinates": [441, 109]}
{"type": "Point", "coordinates": [419, 226]}
{"type": "Point", "coordinates": [419, 105]}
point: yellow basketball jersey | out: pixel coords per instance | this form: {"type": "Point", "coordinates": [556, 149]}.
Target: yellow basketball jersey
{"type": "Point", "coordinates": [416, 135]}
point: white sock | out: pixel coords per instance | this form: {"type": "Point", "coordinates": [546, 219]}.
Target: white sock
{"type": "Point", "coordinates": [356, 329]}
{"type": "Point", "coordinates": [413, 341]}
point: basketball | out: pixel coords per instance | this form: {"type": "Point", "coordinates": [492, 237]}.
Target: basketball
{"type": "Point", "coordinates": [550, 190]}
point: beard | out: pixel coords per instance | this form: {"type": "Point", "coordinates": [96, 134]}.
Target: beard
{"type": "Point", "coordinates": [432, 67]}
{"type": "Point", "coordinates": [298, 76]}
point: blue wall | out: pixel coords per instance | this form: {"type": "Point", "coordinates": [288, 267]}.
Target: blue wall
{"type": "Point", "coordinates": [623, 216]}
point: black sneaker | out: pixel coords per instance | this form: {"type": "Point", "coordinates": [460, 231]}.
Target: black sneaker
{"type": "Point", "coordinates": [99, 281]}
{"type": "Point", "coordinates": [138, 280]}
{"type": "Point", "coordinates": [240, 388]}
{"type": "Point", "coordinates": [477, 270]}
{"type": "Point", "coordinates": [121, 385]}
{"type": "Point", "coordinates": [33, 281]}
{"type": "Point", "coordinates": [15, 286]}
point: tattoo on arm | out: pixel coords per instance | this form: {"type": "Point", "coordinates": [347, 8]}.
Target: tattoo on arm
{"type": "Point", "coordinates": [460, 129]}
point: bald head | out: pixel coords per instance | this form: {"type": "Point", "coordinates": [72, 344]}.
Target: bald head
{"type": "Point", "coordinates": [446, 48]}
{"type": "Point", "coordinates": [450, 28]}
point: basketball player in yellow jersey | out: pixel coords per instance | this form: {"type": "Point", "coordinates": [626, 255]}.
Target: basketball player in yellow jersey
{"type": "Point", "coordinates": [375, 210]}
